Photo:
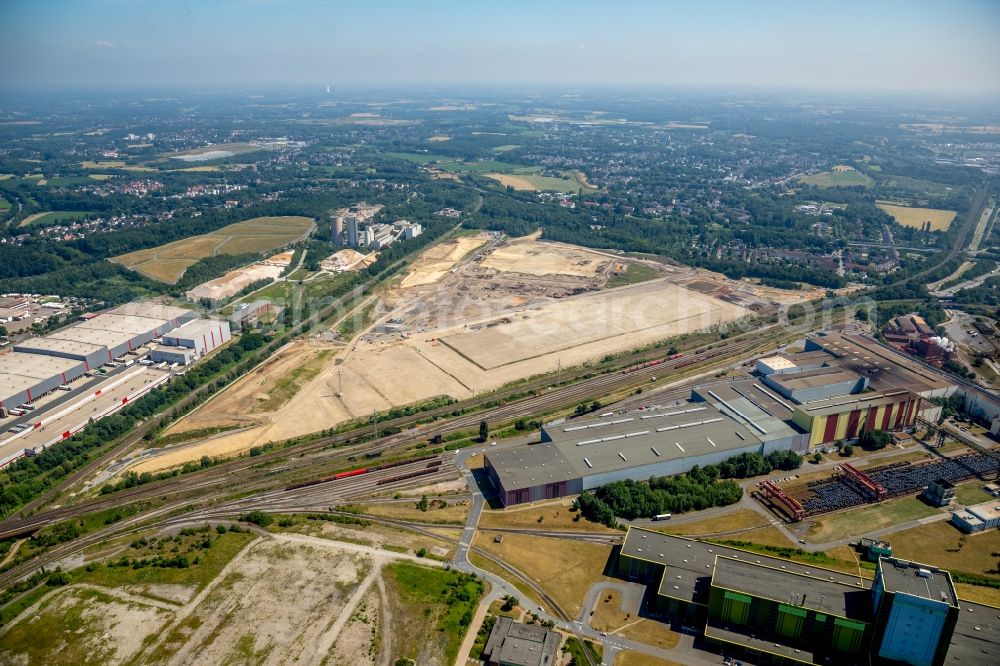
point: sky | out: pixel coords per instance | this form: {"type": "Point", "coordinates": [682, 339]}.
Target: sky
{"type": "Point", "coordinates": [873, 45]}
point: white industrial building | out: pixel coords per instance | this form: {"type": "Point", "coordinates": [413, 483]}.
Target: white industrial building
{"type": "Point", "coordinates": [172, 355]}
{"type": "Point", "coordinates": [40, 365]}
{"type": "Point", "coordinates": [978, 517]}
{"type": "Point", "coordinates": [201, 335]}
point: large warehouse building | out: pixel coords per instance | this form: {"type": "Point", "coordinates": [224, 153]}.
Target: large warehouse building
{"type": "Point", "coordinates": [587, 453]}
{"type": "Point", "coordinates": [776, 611]}
{"type": "Point", "coordinates": [839, 387]}
{"type": "Point", "coordinates": [24, 377]}
{"type": "Point", "coordinates": [201, 335]}
{"type": "Point", "coordinates": [40, 365]}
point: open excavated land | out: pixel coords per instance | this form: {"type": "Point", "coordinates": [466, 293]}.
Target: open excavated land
{"type": "Point", "coordinates": [348, 260]}
{"type": "Point", "coordinates": [435, 263]}
{"type": "Point", "coordinates": [283, 599]}
{"type": "Point", "coordinates": [232, 282]}
{"type": "Point", "coordinates": [472, 318]}
{"type": "Point", "coordinates": [168, 262]}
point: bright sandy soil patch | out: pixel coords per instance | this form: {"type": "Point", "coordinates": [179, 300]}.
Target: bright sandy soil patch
{"type": "Point", "coordinates": [438, 260]}
{"type": "Point", "coordinates": [232, 282]}
{"type": "Point", "coordinates": [918, 217]}
{"type": "Point", "coordinates": [458, 328]}
{"type": "Point", "coordinates": [656, 308]}
{"type": "Point", "coordinates": [526, 255]}
{"type": "Point", "coordinates": [508, 180]}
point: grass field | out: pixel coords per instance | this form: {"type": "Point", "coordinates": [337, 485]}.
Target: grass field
{"type": "Point", "coordinates": [917, 217]}
{"type": "Point", "coordinates": [114, 164]}
{"type": "Point", "coordinates": [609, 617]}
{"type": "Point", "coordinates": [837, 179]}
{"type": "Point", "coordinates": [943, 545]}
{"type": "Point", "coordinates": [286, 387]}
{"type": "Point", "coordinates": [167, 263]}
{"type": "Point", "coordinates": [634, 273]}
{"type": "Point", "coordinates": [633, 658]}
{"type": "Point", "coordinates": [4, 205]}
{"type": "Point", "coordinates": [846, 524]}
{"type": "Point", "coordinates": [536, 183]}
{"type": "Point", "coordinates": [566, 573]}
{"type": "Point", "coordinates": [552, 516]}
{"type": "Point", "coordinates": [916, 185]}
{"type": "Point", "coordinates": [54, 217]}
{"type": "Point", "coordinates": [431, 610]}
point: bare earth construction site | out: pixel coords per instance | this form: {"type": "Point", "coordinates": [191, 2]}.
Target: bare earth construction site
{"type": "Point", "coordinates": [474, 314]}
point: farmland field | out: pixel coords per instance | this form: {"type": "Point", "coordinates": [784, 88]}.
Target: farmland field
{"type": "Point", "coordinates": [916, 217]}
{"type": "Point", "coordinates": [168, 262]}
{"type": "Point", "coordinates": [837, 179]}
{"type": "Point", "coordinates": [114, 164]}
{"type": "Point", "coordinates": [571, 184]}
{"type": "Point", "coordinates": [43, 219]}
{"type": "Point", "coordinates": [4, 205]}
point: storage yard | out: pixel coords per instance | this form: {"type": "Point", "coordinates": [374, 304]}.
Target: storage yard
{"type": "Point", "coordinates": [232, 282]}
{"type": "Point", "coordinates": [462, 327]}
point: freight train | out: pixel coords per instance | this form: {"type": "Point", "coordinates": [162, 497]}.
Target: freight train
{"type": "Point", "coordinates": [649, 364]}
{"type": "Point", "coordinates": [364, 470]}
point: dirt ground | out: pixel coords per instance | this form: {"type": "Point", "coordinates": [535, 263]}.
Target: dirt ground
{"type": "Point", "coordinates": [435, 263]}
{"type": "Point", "coordinates": [534, 258]}
{"type": "Point", "coordinates": [475, 313]}
{"type": "Point", "coordinates": [274, 599]}
{"type": "Point", "coordinates": [107, 627]}
{"type": "Point", "coordinates": [563, 569]}
{"type": "Point", "coordinates": [232, 282]}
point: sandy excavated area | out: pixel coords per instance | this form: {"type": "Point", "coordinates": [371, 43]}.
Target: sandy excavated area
{"type": "Point", "coordinates": [435, 263]}
{"type": "Point", "coordinates": [527, 255]}
{"type": "Point", "coordinates": [453, 361]}
{"type": "Point", "coordinates": [276, 603]}
{"type": "Point", "coordinates": [648, 311]}
{"type": "Point", "coordinates": [230, 283]}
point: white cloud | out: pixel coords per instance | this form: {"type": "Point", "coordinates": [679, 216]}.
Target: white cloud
{"type": "Point", "coordinates": [104, 44]}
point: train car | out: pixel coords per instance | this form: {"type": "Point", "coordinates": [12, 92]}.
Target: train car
{"type": "Point", "coordinates": [344, 475]}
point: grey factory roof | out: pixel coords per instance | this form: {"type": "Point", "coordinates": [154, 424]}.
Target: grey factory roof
{"type": "Point", "coordinates": [753, 399]}
{"type": "Point", "coordinates": [99, 337]}
{"type": "Point", "coordinates": [131, 324]}
{"type": "Point", "coordinates": [845, 403]}
{"type": "Point", "coordinates": [690, 561]}
{"type": "Point", "coordinates": [55, 344]}
{"type": "Point", "coordinates": [588, 446]}
{"type": "Point", "coordinates": [527, 466]}
{"type": "Point", "coordinates": [196, 328]}
{"type": "Point", "coordinates": [34, 366]}
{"type": "Point", "coordinates": [152, 310]}
{"type": "Point", "coordinates": [20, 372]}
{"type": "Point", "coordinates": [796, 381]}
{"type": "Point", "coordinates": [778, 583]}
{"type": "Point", "coordinates": [884, 368]}
{"type": "Point", "coordinates": [918, 580]}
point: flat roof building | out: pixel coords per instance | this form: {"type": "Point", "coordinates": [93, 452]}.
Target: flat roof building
{"type": "Point", "coordinates": [774, 610]}
{"type": "Point", "coordinates": [515, 644]}
{"type": "Point", "coordinates": [25, 377]}
{"type": "Point", "coordinates": [202, 335]}
{"type": "Point", "coordinates": [978, 517]}
{"type": "Point", "coordinates": [589, 452]}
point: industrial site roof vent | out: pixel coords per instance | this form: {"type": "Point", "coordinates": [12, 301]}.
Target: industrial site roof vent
{"type": "Point", "coordinates": [588, 463]}
{"type": "Point", "coordinates": [676, 413]}
{"type": "Point", "coordinates": [599, 424]}
{"type": "Point", "coordinates": [655, 452]}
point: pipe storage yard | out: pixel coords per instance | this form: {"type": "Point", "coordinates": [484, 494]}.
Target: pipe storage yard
{"type": "Point", "coordinates": [38, 366]}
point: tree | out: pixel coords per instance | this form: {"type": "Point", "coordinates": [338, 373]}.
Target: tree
{"type": "Point", "coordinates": [257, 517]}
{"type": "Point", "coordinates": [874, 439]}
{"type": "Point", "coordinates": [847, 449]}
{"type": "Point", "coordinates": [484, 430]}
{"type": "Point", "coordinates": [817, 458]}
{"type": "Point", "coordinates": [423, 504]}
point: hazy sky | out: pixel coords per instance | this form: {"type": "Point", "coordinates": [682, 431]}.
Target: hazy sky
{"type": "Point", "coordinates": [945, 45]}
